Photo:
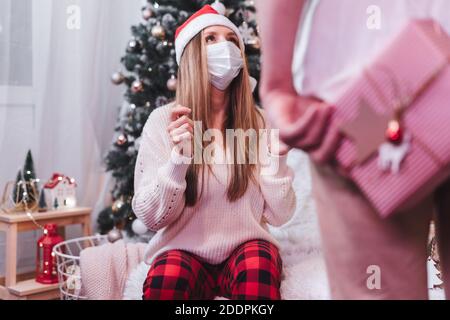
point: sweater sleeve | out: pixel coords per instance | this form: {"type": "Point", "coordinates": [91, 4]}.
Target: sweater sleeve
{"type": "Point", "coordinates": [276, 179]}
{"type": "Point", "coordinates": [276, 185]}
{"type": "Point", "coordinates": [160, 176]}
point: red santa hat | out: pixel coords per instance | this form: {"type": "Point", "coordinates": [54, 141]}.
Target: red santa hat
{"type": "Point", "coordinates": [209, 15]}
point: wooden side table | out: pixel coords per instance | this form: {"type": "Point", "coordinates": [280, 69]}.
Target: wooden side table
{"type": "Point", "coordinates": [12, 224]}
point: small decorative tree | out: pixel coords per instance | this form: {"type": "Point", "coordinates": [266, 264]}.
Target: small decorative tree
{"type": "Point", "coordinates": [18, 189]}
{"type": "Point", "coordinates": [25, 192]}
{"type": "Point", "coordinates": [42, 202]}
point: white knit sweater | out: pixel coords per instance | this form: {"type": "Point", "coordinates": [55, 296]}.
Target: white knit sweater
{"type": "Point", "coordinates": [214, 227]}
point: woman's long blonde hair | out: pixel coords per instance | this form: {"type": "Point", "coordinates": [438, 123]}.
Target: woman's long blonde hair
{"type": "Point", "coordinates": [193, 91]}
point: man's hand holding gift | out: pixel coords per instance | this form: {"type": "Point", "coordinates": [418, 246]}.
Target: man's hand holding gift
{"type": "Point", "coordinates": [304, 123]}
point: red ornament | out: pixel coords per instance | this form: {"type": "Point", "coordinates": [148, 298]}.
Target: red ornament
{"type": "Point", "coordinates": [137, 86]}
{"type": "Point", "coordinates": [394, 132]}
{"type": "Point", "coordinates": [45, 259]}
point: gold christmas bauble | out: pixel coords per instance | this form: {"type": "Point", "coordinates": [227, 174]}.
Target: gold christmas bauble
{"type": "Point", "coordinates": [255, 43]}
{"type": "Point", "coordinates": [117, 78]}
{"type": "Point", "coordinates": [114, 235]}
{"type": "Point", "coordinates": [158, 32]}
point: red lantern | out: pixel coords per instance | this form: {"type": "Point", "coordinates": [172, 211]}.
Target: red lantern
{"type": "Point", "coordinates": [45, 260]}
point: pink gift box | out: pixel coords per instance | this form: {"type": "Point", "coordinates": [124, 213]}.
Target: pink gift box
{"type": "Point", "coordinates": [417, 60]}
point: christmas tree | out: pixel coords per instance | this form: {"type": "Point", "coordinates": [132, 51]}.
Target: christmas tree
{"type": "Point", "coordinates": [28, 168]}
{"type": "Point", "coordinates": [29, 175]}
{"type": "Point", "coordinates": [42, 205]}
{"type": "Point", "coordinates": [26, 187]}
{"type": "Point", "coordinates": [149, 74]}
{"type": "Point", "coordinates": [17, 194]}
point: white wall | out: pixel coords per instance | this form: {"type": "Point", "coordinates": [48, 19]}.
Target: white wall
{"type": "Point", "coordinates": [37, 84]}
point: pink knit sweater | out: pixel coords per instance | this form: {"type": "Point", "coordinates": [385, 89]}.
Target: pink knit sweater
{"type": "Point", "coordinates": [214, 227]}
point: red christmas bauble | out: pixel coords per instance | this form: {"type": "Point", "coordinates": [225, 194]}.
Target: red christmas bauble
{"type": "Point", "coordinates": [122, 139]}
{"type": "Point", "coordinates": [137, 86]}
{"type": "Point", "coordinates": [394, 132]}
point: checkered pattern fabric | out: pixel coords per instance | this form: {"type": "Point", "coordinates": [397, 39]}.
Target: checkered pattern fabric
{"type": "Point", "coordinates": [252, 272]}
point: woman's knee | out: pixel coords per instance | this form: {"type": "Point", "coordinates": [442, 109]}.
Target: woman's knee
{"type": "Point", "coordinates": [259, 254]}
{"type": "Point", "coordinates": [257, 272]}
{"type": "Point", "coordinates": [171, 276]}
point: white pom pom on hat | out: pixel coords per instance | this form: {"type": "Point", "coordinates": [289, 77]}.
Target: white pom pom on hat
{"type": "Point", "coordinates": [219, 7]}
{"type": "Point", "coordinates": [209, 15]}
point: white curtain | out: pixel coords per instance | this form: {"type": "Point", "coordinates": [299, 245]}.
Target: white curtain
{"type": "Point", "coordinates": [56, 58]}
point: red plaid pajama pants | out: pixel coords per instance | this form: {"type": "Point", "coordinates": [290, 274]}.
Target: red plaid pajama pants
{"type": "Point", "coordinates": [252, 272]}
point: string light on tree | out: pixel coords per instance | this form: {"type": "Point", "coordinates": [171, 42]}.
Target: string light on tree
{"type": "Point", "coordinates": [117, 205]}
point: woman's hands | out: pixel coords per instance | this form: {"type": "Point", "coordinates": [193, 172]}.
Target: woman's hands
{"type": "Point", "coordinates": [281, 150]}
{"type": "Point", "coordinates": [303, 123]}
{"type": "Point", "coordinates": [181, 130]}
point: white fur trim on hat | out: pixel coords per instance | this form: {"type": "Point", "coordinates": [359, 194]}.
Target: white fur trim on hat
{"type": "Point", "coordinates": [197, 25]}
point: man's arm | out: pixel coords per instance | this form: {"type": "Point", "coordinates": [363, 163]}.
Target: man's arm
{"type": "Point", "coordinates": [303, 121]}
{"type": "Point", "coordinates": [278, 23]}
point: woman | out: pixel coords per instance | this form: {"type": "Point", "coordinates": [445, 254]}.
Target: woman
{"type": "Point", "coordinates": [211, 220]}
{"type": "Point", "coordinates": [367, 257]}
